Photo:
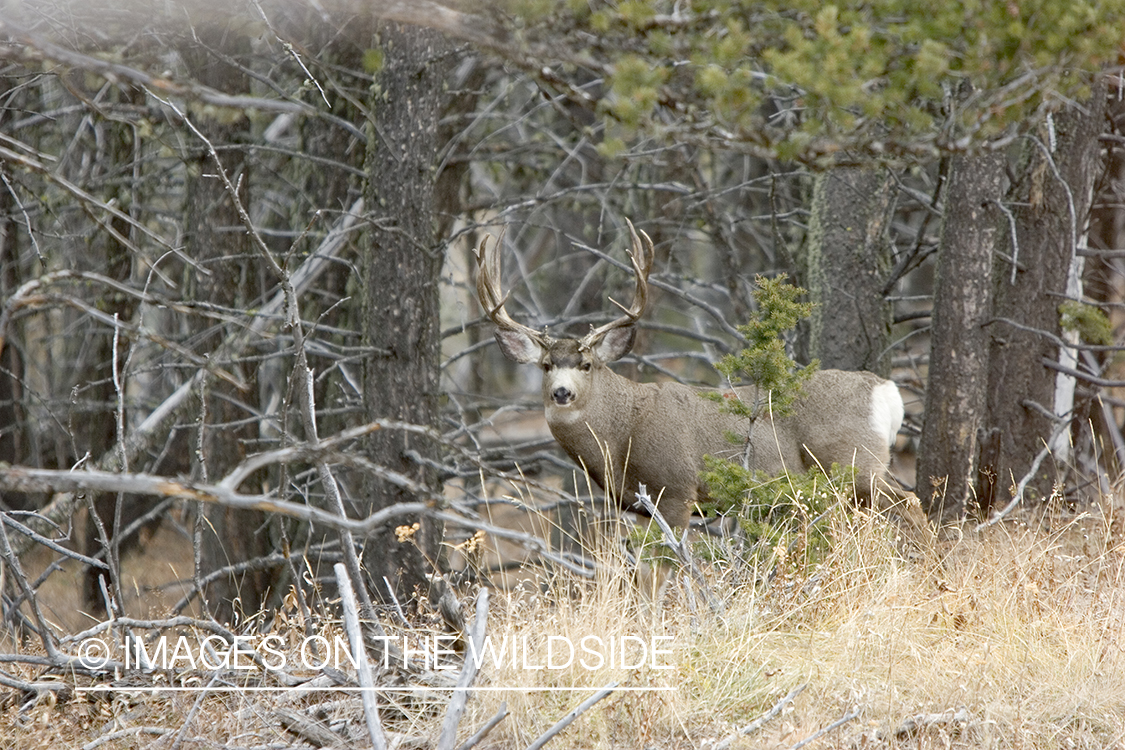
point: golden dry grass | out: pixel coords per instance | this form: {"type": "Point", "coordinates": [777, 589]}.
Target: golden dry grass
{"type": "Point", "coordinates": [1011, 638]}
{"type": "Point", "coordinates": [1016, 631]}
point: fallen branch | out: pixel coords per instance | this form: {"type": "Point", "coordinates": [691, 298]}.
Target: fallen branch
{"type": "Point", "coordinates": [849, 716]}
{"type": "Point", "coordinates": [761, 721]}
{"type": "Point", "coordinates": [567, 720]}
{"type": "Point", "coordinates": [468, 675]}
{"type": "Point", "coordinates": [480, 734]}
{"type": "Point", "coordinates": [359, 651]}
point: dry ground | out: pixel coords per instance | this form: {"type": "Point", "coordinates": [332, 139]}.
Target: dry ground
{"type": "Point", "coordinates": [1009, 638]}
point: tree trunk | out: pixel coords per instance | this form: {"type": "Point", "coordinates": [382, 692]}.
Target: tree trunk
{"type": "Point", "coordinates": [219, 244]}
{"type": "Point", "coordinates": [1101, 283]}
{"type": "Point", "coordinates": [1050, 203]}
{"type": "Point", "coordinates": [958, 375]}
{"type": "Point", "coordinates": [847, 260]}
{"type": "Point", "coordinates": [400, 284]}
{"type": "Point", "coordinates": [114, 512]}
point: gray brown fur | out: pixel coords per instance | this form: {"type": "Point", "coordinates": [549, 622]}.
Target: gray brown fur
{"type": "Point", "coordinates": [626, 433]}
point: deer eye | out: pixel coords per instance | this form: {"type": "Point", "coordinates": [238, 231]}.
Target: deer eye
{"type": "Point", "coordinates": [547, 366]}
{"type": "Point", "coordinates": [584, 367]}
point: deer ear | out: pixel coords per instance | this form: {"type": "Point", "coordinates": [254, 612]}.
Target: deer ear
{"type": "Point", "coordinates": [616, 343]}
{"type": "Point", "coordinates": [518, 346]}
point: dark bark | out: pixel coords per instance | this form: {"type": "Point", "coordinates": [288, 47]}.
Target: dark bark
{"type": "Point", "coordinates": [1100, 282]}
{"type": "Point", "coordinates": [958, 374]}
{"type": "Point", "coordinates": [401, 270]}
{"type": "Point", "coordinates": [1050, 203]}
{"type": "Point", "coordinates": [218, 242]}
{"type": "Point", "coordinates": [847, 260]}
{"type": "Point", "coordinates": [13, 421]}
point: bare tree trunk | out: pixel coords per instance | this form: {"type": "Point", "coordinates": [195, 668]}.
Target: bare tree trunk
{"type": "Point", "coordinates": [1050, 204]}
{"type": "Point", "coordinates": [958, 375]}
{"type": "Point", "coordinates": [400, 285]}
{"type": "Point", "coordinates": [847, 261]}
{"type": "Point", "coordinates": [14, 431]}
{"type": "Point", "coordinates": [1104, 441]}
{"type": "Point", "coordinates": [220, 244]}
{"type": "Point", "coordinates": [100, 428]}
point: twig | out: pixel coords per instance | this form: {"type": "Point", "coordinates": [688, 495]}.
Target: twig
{"type": "Point", "coordinates": [528, 541]}
{"type": "Point", "coordinates": [759, 722]}
{"type": "Point", "coordinates": [480, 734]}
{"type": "Point", "coordinates": [1017, 496]}
{"type": "Point", "coordinates": [567, 720]}
{"type": "Point", "coordinates": [46, 635]}
{"type": "Point", "coordinates": [397, 607]}
{"type": "Point", "coordinates": [680, 548]}
{"type": "Point", "coordinates": [196, 705]}
{"type": "Point", "coordinates": [849, 716]}
{"type": "Point", "coordinates": [359, 651]}
{"type": "Point", "coordinates": [468, 674]}
{"type": "Point", "coordinates": [158, 423]}
{"type": "Point", "coordinates": [27, 479]}
{"type": "Point", "coordinates": [6, 518]}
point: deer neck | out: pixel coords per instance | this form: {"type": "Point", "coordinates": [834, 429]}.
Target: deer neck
{"type": "Point", "coordinates": [603, 419]}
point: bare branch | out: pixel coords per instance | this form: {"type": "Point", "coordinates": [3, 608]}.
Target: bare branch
{"type": "Point", "coordinates": [567, 720]}
{"type": "Point", "coordinates": [359, 652]}
{"type": "Point", "coordinates": [27, 479]}
{"type": "Point", "coordinates": [36, 47]}
{"type": "Point", "coordinates": [158, 423]}
{"type": "Point", "coordinates": [468, 674]}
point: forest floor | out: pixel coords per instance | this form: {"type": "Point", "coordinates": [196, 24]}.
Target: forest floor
{"type": "Point", "coordinates": [1008, 637]}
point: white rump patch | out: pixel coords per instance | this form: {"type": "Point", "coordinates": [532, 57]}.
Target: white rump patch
{"type": "Point", "coordinates": [886, 411]}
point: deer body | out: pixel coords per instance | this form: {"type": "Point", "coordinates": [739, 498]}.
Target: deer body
{"type": "Point", "coordinates": [625, 433]}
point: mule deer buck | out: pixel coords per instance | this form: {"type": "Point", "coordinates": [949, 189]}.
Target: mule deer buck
{"type": "Point", "coordinates": [626, 433]}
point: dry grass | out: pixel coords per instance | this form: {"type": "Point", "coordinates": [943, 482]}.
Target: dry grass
{"type": "Point", "coordinates": [1019, 629]}
{"type": "Point", "coordinates": [1010, 638]}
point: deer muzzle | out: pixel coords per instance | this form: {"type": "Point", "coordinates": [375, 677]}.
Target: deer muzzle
{"type": "Point", "coordinates": [562, 396]}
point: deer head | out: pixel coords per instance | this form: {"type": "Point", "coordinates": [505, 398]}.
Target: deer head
{"type": "Point", "coordinates": [570, 366]}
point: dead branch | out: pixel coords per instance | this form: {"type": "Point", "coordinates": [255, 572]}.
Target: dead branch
{"type": "Point", "coordinates": [27, 479]}
{"type": "Point", "coordinates": [761, 721]}
{"type": "Point", "coordinates": [30, 46]}
{"type": "Point", "coordinates": [160, 420]}
{"type": "Point", "coordinates": [849, 716]}
{"type": "Point", "coordinates": [468, 675]}
{"type": "Point", "coordinates": [680, 548]}
{"type": "Point", "coordinates": [359, 651]}
{"type": "Point", "coordinates": [567, 720]}
{"type": "Point", "coordinates": [480, 734]}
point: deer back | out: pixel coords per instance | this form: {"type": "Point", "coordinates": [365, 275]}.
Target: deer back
{"type": "Point", "coordinates": [628, 433]}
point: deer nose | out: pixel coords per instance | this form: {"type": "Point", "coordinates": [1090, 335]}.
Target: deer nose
{"type": "Point", "coordinates": [562, 396]}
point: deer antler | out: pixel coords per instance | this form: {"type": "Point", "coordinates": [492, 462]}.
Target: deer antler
{"type": "Point", "coordinates": [641, 254]}
{"type": "Point", "coordinates": [489, 292]}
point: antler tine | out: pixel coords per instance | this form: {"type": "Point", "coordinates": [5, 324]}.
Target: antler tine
{"type": "Point", "coordinates": [642, 255]}
{"type": "Point", "coordinates": [489, 289]}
